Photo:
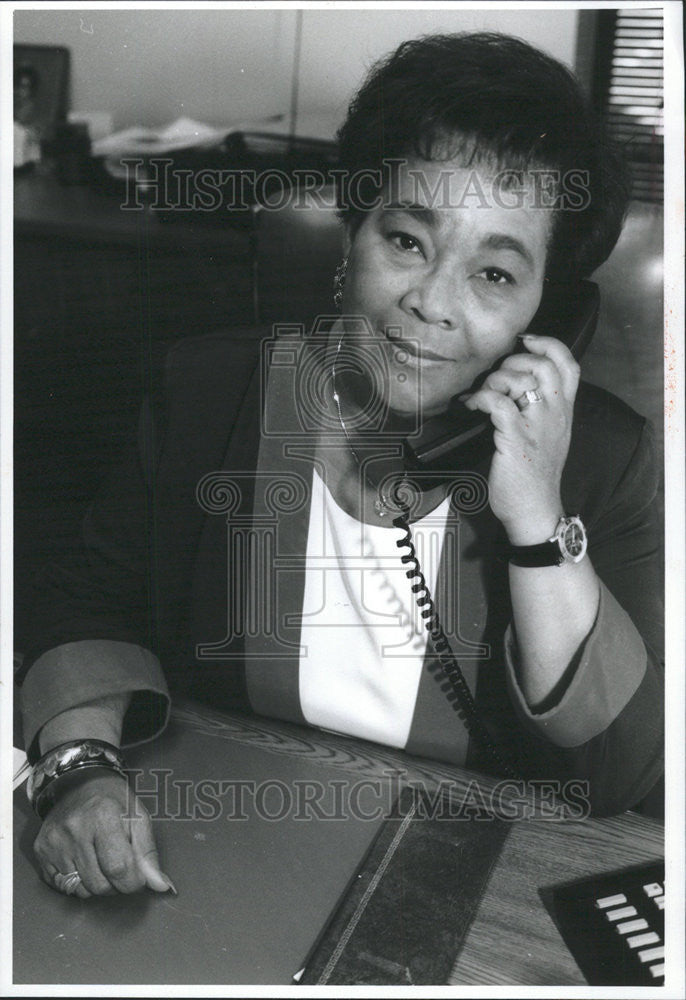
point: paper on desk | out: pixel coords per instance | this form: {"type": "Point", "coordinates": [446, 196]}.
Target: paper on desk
{"type": "Point", "coordinates": [180, 134]}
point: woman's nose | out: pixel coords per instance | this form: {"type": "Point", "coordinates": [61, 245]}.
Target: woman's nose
{"type": "Point", "coordinates": [434, 299]}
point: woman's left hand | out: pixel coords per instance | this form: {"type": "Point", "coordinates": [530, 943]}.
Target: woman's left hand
{"type": "Point", "coordinates": [531, 444]}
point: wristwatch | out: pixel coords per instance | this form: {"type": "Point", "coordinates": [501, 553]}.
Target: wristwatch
{"type": "Point", "coordinates": [567, 545]}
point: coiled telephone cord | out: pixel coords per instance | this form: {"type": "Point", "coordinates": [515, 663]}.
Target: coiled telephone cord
{"type": "Point", "coordinates": [455, 686]}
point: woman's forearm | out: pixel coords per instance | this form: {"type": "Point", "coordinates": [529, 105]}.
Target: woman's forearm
{"type": "Point", "coordinates": [100, 719]}
{"type": "Point", "coordinates": [555, 608]}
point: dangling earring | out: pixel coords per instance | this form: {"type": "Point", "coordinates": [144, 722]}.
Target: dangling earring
{"type": "Point", "coordinates": [339, 282]}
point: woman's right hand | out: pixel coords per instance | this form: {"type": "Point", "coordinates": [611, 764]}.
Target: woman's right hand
{"type": "Point", "coordinates": [102, 831]}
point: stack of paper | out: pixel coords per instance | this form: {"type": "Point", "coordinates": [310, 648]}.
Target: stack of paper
{"type": "Point", "coordinates": [20, 767]}
{"type": "Point", "coordinates": [141, 141]}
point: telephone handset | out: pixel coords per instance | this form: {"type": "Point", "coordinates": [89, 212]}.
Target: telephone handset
{"type": "Point", "coordinates": [460, 437]}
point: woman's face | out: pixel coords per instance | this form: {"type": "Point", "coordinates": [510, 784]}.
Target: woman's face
{"type": "Point", "coordinates": [450, 269]}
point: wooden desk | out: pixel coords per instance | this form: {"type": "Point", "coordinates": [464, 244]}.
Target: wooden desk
{"type": "Point", "coordinates": [153, 939]}
{"type": "Point", "coordinates": [84, 261]}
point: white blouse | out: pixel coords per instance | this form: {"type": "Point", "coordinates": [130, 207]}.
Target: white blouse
{"type": "Point", "coordinates": [363, 640]}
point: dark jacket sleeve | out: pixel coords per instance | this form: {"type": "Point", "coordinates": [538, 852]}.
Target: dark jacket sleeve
{"type": "Point", "coordinates": [607, 723]}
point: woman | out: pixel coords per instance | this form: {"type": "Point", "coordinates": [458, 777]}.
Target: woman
{"type": "Point", "coordinates": [473, 179]}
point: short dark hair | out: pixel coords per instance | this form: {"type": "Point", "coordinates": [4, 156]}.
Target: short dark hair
{"type": "Point", "coordinates": [494, 98]}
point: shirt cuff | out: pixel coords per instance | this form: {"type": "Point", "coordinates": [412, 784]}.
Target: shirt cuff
{"type": "Point", "coordinates": [77, 672]}
{"type": "Point", "coordinates": [612, 664]}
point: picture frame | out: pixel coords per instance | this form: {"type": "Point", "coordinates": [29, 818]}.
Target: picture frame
{"type": "Point", "coordinates": [41, 89]}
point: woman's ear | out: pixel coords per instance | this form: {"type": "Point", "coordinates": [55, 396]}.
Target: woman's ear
{"type": "Point", "coordinates": [347, 239]}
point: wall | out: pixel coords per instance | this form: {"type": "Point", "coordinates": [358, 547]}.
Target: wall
{"type": "Point", "coordinates": [151, 66]}
{"type": "Point", "coordinates": [340, 45]}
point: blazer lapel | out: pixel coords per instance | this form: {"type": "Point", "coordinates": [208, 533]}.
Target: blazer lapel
{"type": "Point", "coordinates": [224, 499]}
{"type": "Point", "coordinates": [280, 522]}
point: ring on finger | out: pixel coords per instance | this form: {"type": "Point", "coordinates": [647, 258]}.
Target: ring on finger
{"type": "Point", "coordinates": [530, 396]}
{"type": "Point", "coordinates": [67, 882]}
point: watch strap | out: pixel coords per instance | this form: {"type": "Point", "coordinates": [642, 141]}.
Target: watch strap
{"type": "Point", "coordinates": [544, 554]}
{"type": "Point", "coordinates": [568, 544]}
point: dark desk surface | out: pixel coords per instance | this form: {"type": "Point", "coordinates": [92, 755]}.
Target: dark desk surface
{"type": "Point", "coordinates": [253, 895]}
{"type": "Point", "coordinates": [44, 207]}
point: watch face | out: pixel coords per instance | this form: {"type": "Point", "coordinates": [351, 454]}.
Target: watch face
{"type": "Point", "coordinates": [574, 540]}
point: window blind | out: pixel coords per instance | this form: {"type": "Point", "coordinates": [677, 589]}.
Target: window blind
{"type": "Point", "coordinates": [634, 97]}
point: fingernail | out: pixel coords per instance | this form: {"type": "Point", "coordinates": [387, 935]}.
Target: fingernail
{"type": "Point", "coordinates": [464, 396]}
{"type": "Point", "coordinates": [170, 884]}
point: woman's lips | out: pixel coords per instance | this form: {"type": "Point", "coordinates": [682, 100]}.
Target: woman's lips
{"type": "Point", "coordinates": [419, 351]}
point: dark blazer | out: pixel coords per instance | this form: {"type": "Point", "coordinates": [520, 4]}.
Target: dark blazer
{"type": "Point", "coordinates": [150, 569]}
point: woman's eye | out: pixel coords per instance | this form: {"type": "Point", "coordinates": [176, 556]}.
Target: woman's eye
{"type": "Point", "coordinates": [494, 276]}
{"type": "Point", "coordinates": [405, 242]}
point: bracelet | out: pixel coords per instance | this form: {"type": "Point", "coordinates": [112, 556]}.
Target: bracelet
{"type": "Point", "coordinates": [66, 759]}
